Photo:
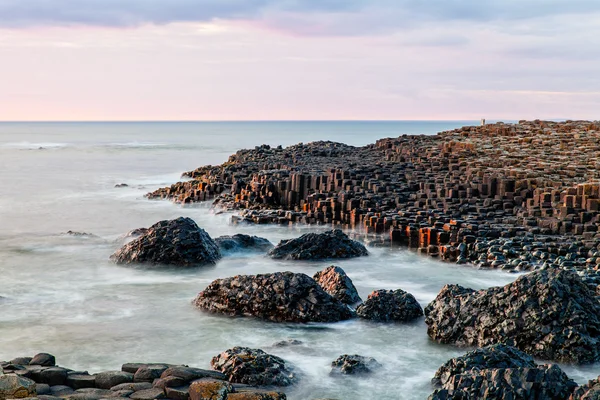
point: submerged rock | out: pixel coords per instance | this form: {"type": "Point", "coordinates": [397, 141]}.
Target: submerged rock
{"type": "Point", "coordinates": [178, 242]}
{"type": "Point", "coordinates": [319, 246]}
{"type": "Point", "coordinates": [550, 314]}
{"type": "Point", "coordinates": [390, 305]}
{"type": "Point", "coordinates": [353, 365]}
{"type": "Point", "coordinates": [254, 367]}
{"type": "Point", "coordinates": [279, 297]}
{"type": "Point", "coordinates": [335, 282]}
{"type": "Point", "coordinates": [241, 242]}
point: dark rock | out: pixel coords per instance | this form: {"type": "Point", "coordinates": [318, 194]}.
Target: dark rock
{"type": "Point", "coordinates": [14, 387]}
{"type": "Point", "coordinates": [91, 394]}
{"type": "Point", "coordinates": [149, 373]}
{"type": "Point", "coordinates": [42, 388]}
{"type": "Point", "coordinates": [133, 367]}
{"type": "Point", "coordinates": [133, 387]}
{"type": "Point", "coordinates": [81, 234]}
{"type": "Point", "coordinates": [496, 356]}
{"type": "Point", "coordinates": [53, 376]}
{"type": "Point", "coordinates": [170, 381]}
{"type": "Point", "coordinates": [178, 393]}
{"type": "Point", "coordinates": [21, 361]}
{"type": "Point", "coordinates": [121, 185]}
{"type": "Point", "coordinates": [319, 246]}
{"type": "Point", "coordinates": [390, 305]}
{"type": "Point", "coordinates": [188, 374]}
{"type": "Point", "coordinates": [589, 391]}
{"type": "Point", "coordinates": [280, 296]}
{"type": "Point", "coordinates": [178, 242]}
{"type": "Point", "coordinates": [210, 389]}
{"type": "Point", "coordinates": [240, 242]}
{"type": "Point", "coordinates": [47, 397]}
{"type": "Point", "coordinates": [132, 235]}
{"type": "Point", "coordinates": [550, 314]}
{"type": "Point", "coordinates": [80, 381]}
{"type": "Point", "coordinates": [254, 367]}
{"type": "Point", "coordinates": [108, 379]}
{"type": "Point", "coordinates": [148, 394]}
{"type": "Point", "coordinates": [335, 282]}
{"type": "Point", "coordinates": [61, 390]}
{"type": "Point", "coordinates": [288, 343]}
{"type": "Point", "coordinates": [353, 365]}
{"type": "Point", "coordinates": [43, 359]}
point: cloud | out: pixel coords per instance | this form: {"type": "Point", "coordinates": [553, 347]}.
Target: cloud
{"type": "Point", "coordinates": [308, 17]}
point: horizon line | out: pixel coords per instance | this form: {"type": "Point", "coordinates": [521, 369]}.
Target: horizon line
{"type": "Point", "coordinates": [269, 120]}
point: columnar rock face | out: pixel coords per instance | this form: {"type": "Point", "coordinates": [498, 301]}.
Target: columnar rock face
{"type": "Point", "coordinates": [254, 367]}
{"type": "Point", "coordinates": [500, 372]}
{"type": "Point", "coordinates": [279, 297]}
{"type": "Point", "coordinates": [390, 305]}
{"type": "Point", "coordinates": [178, 242]}
{"type": "Point", "coordinates": [479, 194]}
{"type": "Point", "coordinates": [353, 365]}
{"type": "Point", "coordinates": [550, 314]}
{"type": "Point", "coordinates": [241, 242]}
{"type": "Point", "coordinates": [137, 381]}
{"type": "Point", "coordinates": [319, 246]}
{"type": "Point", "coordinates": [335, 282]}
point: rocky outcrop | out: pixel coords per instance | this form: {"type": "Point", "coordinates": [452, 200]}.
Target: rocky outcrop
{"type": "Point", "coordinates": [179, 242]}
{"type": "Point", "coordinates": [16, 387]}
{"type": "Point", "coordinates": [550, 314]}
{"type": "Point", "coordinates": [254, 367]}
{"type": "Point", "coordinates": [390, 305]}
{"type": "Point", "coordinates": [589, 391]}
{"type": "Point", "coordinates": [278, 297]}
{"type": "Point", "coordinates": [319, 246]}
{"type": "Point", "coordinates": [240, 242]}
{"type": "Point", "coordinates": [335, 282]}
{"type": "Point", "coordinates": [353, 365]}
{"type": "Point", "coordinates": [500, 372]}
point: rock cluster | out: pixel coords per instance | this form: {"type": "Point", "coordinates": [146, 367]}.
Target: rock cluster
{"type": "Point", "coordinates": [390, 305]}
{"type": "Point", "coordinates": [179, 242]}
{"type": "Point", "coordinates": [589, 391]}
{"type": "Point", "coordinates": [241, 242]}
{"type": "Point", "coordinates": [254, 367]}
{"type": "Point", "coordinates": [550, 314]}
{"type": "Point", "coordinates": [335, 282]}
{"type": "Point", "coordinates": [500, 373]}
{"type": "Point", "coordinates": [319, 246]}
{"type": "Point", "coordinates": [353, 365]}
{"type": "Point", "coordinates": [279, 297]}
{"type": "Point", "coordinates": [40, 378]}
{"type": "Point", "coordinates": [511, 196]}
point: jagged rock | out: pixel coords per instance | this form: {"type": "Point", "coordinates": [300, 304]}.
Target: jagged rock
{"type": "Point", "coordinates": [16, 387]}
{"type": "Point", "coordinates": [589, 391]}
{"type": "Point", "coordinates": [240, 242]}
{"type": "Point", "coordinates": [178, 242]}
{"type": "Point", "coordinates": [253, 367]}
{"type": "Point", "coordinates": [546, 382]}
{"type": "Point", "coordinates": [319, 246]}
{"type": "Point", "coordinates": [390, 305]}
{"type": "Point", "coordinates": [280, 296]}
{"type": "Point", "coordinates": [210, 389]}
{"type": "Point", "coordinates": [108, 379]}
{"type": "Point", "coordinates": [335, 282]}
{"type": "Point", "coordinates": [496, 356]}
{"type": "Point", "coordinates": [353, 365]}
{"type": "Point", "coordinates": [550, 314]}
{"type": "Point", "coordinates": [43, 359]}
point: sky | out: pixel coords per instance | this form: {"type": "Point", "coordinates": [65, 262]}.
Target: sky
{"type": "Point", "coordinates": [299, 60]}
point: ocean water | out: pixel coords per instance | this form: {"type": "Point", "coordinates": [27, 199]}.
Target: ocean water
{"type": "Point", "coordinates": [63, 296]}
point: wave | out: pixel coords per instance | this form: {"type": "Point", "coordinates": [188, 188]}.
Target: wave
{"type": "Point", "coordinates": [34, 145]}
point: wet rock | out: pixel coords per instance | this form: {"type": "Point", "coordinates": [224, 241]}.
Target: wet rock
{"type": "Point", "coordinates": [148, 373]}
{"type": "Point", "coordinates": [80, 381]}
{"type": "Point", "coordinates": [188, 374]}
{"type": "Point", "coordinates": [390, 305]}
{"type": "Point", "coordinates": [288, 343]}
{"type": "Point", "coordinates": [241, 242]}
{"type": "Point", "coordinates": [178, 242]}
{"type": "Point", "coordinates": [335, 282]}
{"type": "Point", "coordinates": [148, 394]}
{"type": "Point", "coordinates": [121, 185]}
{"type": "Point", "coordinates": [209, 389]}
{"type": "Point", "coordinates": [170, 381]}
{"type": "Point", "coordinates": [21, 360]}
{"type": "Point", "coordinates": [61, 390]}
{"type": "Point", "coordinates": [81, 234]}
{"type": "Point", "coordinates": [43, 359]}
{"type": "Point", "coordinates": [318, 246]}
{"type": "Point", "coordinates": [550, 314]}
{"type": "Point", "coordinates": [53, 376]}
{"type": "Point", "coordinates": [497, 356]}
{"type": "Point", "coordinates": [589, 391]}
{"type": "Point", "coordinates": [42, 388]}
{"type": "Point", "coordinates": [254, 367]}
{"type": "Point", "coordinates": [133, 387]}
{"type": "Point", "coordinates": [353, 365]}
{"type": "Point", "coordinates": [16, 387]}
{"type": "Point", "coordinates": [280, 296]}
{"type": "Point", "coordinates": [108, 379]}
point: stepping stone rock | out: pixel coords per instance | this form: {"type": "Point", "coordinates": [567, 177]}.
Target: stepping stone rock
{"type": "Point", "coordinates": [148, 394]}
{"type": "Point", "coordinates": [108, 379]}
{"type": "Point", "coordinates": [390, 305]}
{"type": "Point", "coordinates": [335, 282]}
{"type": "Point", "coordinates": [353, 365]}
{"type": "Point", "coordinates": [210, 389]}
{"type": "Point", "coordinates": [61, 390]}
{"type": "Point", "coordinates": [80, 381]}
{"type": "Point", "coordinates": [319, 246]}
{"type": "Point", "coordinates": [241, 242]}
{"type": "Point", "coordinates": [188, 374]}
{"type": "Point", "coordinates": [149, 373]}
{"type": "Point", "coordinates": [53, 376]}
{"type": "Point", "coordinates": [43, 359]}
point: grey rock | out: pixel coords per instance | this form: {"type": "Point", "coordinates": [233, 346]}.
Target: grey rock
{"type": "Point", "coordinates": [80, 381]}
{"type": "Point", "coordinates": [43, 359]}
{"type": "Point", "coordinates": [353, 365]}
{"type": "Point", "coordinates": [319, 246]}
{"type": "Point", "coordinates": [148, 394]}
{"type": "Point", "coordinates": [189, 374]}
{"type": "Point", "coordinates": [390, 305]}
{"type": "Point", "coordinates": [108, 379]}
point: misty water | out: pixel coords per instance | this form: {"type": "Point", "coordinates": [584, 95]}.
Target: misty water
{"type": "Point", "coordinates": [63, 296]}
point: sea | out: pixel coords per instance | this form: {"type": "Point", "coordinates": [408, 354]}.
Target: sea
{"type": "Point", "coordinates": [62, 295]}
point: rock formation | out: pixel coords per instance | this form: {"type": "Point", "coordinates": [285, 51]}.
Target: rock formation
{"type": "Point", "coordinates": [390, 305]}
{"type": "Point", "coordinates": [353, 365]}
{"type": "Point", "coordinates": [241, 242]}
{"type": "Point", "coordinates": [319, 246]}
{"type": "Point", "coordinates": [335, 282]}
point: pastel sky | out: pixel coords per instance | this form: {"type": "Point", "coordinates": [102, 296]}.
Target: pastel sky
{"type": "Point", "coordinates": [295, 60]}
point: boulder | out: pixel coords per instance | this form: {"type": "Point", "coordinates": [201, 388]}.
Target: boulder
{"type": "Point", "coordinates": [108, 379]}
{"type": "Point", "coordinates": [16, 387]}
{"type": "Point", "coordinates": [43, 359]}
{"type": "Point", "coordinates": [179, 242]}
{"type": "Point", "coordinates": [53, 376]}
{"type": "Point", "coordinates": [240, 242]}
{"type": "Point", "coordinates": [188, 374]}
{"type": "Point", "coordinates": [550, 314]}
{"type": "Point", "coordinates": [254, 367]}
{"type": "Point", "coordinates": [21, 360]}
{"type": "Point", "coordinates": [589, 391]}
{"type": "Point", "coordinates": [319, 246]}
{"type": "Point", "coordinates": [353, 365]}
{"type": "Point", "coordinates": [279, 297]}
{"type": "Point", "coordinates": [390, 305]}
{"type": "Point", "coordinates": [209, 389]}
{"type": "Point", "coordinates": [148, 373]}
{"type": "Point", "coordinates": [81, 381]}
{"type": "Point", "coordinates": [335, 282]}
